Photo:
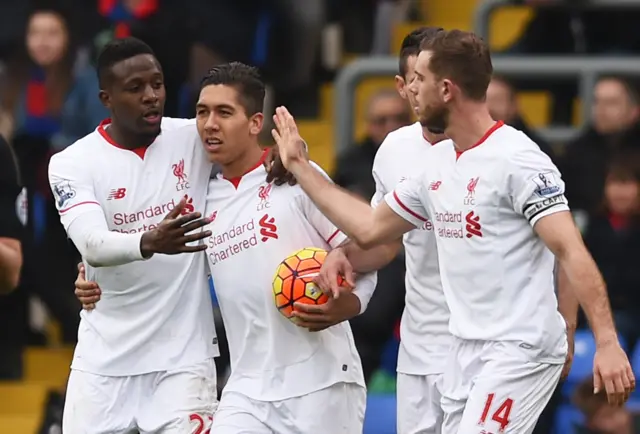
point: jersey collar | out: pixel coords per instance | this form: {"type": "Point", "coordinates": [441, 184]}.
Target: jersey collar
{"type": "Point", "coordinates": [483, 139]}
{"type": "Point", "coordinates": [259, 165]}
{"type": "Point", "coordinates": [102, 130]}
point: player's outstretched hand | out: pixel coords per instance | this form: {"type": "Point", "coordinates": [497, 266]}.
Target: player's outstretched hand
{"type": "Point", "coordinates": [571, 339]}
{"type": "Point", "coordinates": [276, 171]}
{"type": "Point", "coordinates": [86, 291]}
{"type": "Point", "coordinates": [172, 235]}
{"type": "Point", "coordinates": [612, 373]}
{"type": "Point", "coordinates": [322, 316]}
{"type": "Point", "coordinates": [335, 266]}
{"type": "Point", "coordinates": [291, 146]}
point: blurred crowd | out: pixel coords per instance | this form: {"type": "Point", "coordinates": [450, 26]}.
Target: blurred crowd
{"type": "Point", "coordinates": [48, 99]}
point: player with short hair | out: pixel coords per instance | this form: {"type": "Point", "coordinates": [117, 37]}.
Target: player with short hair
{"type": "Point", "coordinates": [424, 329]}
{"type": "Point", "coordinates": [499, 214]}
{"type": "Point", "coordinates": [127, 191]}
{"type": "Point", "coordinates": [283, 378]}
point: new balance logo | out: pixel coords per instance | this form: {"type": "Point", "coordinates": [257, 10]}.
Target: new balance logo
{"type": "Point", "coordinates": [474, 228]}
{"type": "Point", "coordinates": [117, 193]}
{"type": "Point", "coordinates": [268, 229]}
{"type": "Point", "coordinates": [435, 185]}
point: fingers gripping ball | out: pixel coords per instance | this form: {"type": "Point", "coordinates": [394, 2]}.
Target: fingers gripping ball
{"type": "Point", "coordinates": [293, 281]}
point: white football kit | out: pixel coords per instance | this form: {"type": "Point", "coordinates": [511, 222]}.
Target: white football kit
{"type": "Point", "coordinates": [497, 275]}
{"type": "Point", "coordinates": [144, 359]}
{"type": "Point", "coordinates": [425, 340]}
{"type": "Point", "coordinates": [284, 379]}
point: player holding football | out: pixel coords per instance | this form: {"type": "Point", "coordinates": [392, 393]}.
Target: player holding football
{"type": "Point", "coordinates": [424, 330]}
{"type": "Point", "coordinates": [283, 378]}
{"type": "Point", "coordinates": [144, 359]}
{"type": "Point", "coordinates": [499, 215]}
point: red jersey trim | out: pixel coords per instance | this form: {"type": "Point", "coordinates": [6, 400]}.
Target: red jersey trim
{"type": "Point", "coordinates": [86, 202]}
{"type": "Point", "coordinates": [483, 139]}
{"type": "Point", "coordinates": [105, 135]}
{"type": "Point", "coordinates": [236, 180]}
{"type": "Point", "coordinates": [407, 209]}
{"type": "Point", "coordinates": [333, 235]}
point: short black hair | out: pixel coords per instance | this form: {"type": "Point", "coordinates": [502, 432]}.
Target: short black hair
{"type": "Point", "coordinates": [117, 51]}
{"type": "Point", "coordinates": [411, 45]}
{"type": "Point", "coordinates": [247, 81]}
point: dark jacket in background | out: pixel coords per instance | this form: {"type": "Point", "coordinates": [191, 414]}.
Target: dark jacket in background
{"type": "Point", "coordinates": [353, 169]}
{"type": "Point", "coordinates": [585, 163]}
{"type": "Point", "coordinates": [616, 252]}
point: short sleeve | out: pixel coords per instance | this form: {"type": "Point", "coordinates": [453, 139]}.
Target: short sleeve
{"type": "Point", "coordinates": [407, 201]}
{"type": "Point", "coordinates": [13, 200]}
{"type": "Point", "coordinates": [535, 185]}
{"type": "Point", "coordinates": [327, 230]}
{"type": "Point", "coordinates": [72, 188]}
{"type": "Point", "coordinates": [378, 196]}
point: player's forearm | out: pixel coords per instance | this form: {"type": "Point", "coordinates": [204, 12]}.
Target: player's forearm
{"type": "Point", "coordinates": [365, 287]}
{"type": "Point", "coordinates": [352, 216]}
{"type": "Point", "coordinates": [101, 247]}
{"type": "Point", "coordinates": [585, 280]}
{"type": "Point", "coordinates": [366, 261]}
{"type": "Point", "coordinates": [567, 301]}
{"type": "Point", "coordinates": [10, 265]}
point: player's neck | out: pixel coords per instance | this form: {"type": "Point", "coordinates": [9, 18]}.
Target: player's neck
{"type": "Point", "coordinates": [244, 164]}
{"type": "Point", "coordinates": [129, 140]}
{"type": "Point", "coordinates": [469, 125]}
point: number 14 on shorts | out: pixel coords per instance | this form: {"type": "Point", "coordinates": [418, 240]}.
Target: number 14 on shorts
{"type": "Point", "coordinates": [498, 412]}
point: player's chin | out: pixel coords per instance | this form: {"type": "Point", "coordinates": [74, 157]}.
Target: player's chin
{"type": "Point", "coordinates": [217, 156]}
{"type": "Point", "coordinates": [150, 127]}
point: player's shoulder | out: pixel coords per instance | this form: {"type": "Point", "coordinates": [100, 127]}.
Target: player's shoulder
{"type": "Point", "coordinates": [398, 138]}
{"type": "Point", "coordinates": [517, 147]}
{"type": "Point", "coordinates": [78, 152]}
{"type": "Point", "coordinates": [171, 124]}
{"type": "Point", "coordinates": [511, 140]}
{"type": "Point", "coordinates": [296, 190]}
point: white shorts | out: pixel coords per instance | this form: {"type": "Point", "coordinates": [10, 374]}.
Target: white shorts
{"type": "Point", "coordinates": [488, 387]}
{"type": "Point", "coordinates": [337, 409]}
{"type": "Point", "coordinates": [177, 401]}
{"type": "Point", "coordinates": [419, 410]}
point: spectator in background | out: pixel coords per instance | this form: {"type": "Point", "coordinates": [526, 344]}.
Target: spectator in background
{"type": "Point", "coordinates": [43, 96]}
{"type": "Point", "coordinates": [600, 416]}
{"type": "Point", "coordinates": [614, 129]}
{"type": "Point", "coordinates": [612, 235]}
{"type": "Point", "coordinates": [165, 25]}
{"type": "Point", "coordinates": [47, 104]}
{"type": "Point", "coordinates": [386, 112]}
{"type": "Point", "coordinates": [503, 105]}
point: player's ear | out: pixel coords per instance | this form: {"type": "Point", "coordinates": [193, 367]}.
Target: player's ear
{"type": "Point", "coordinates": [255, 124]}
{"type": "Point", "coordinates": [400, 86]}
{"type": "Point", "coordinates": [105, 99]}
{"type": "Point", "coordinates": [447, 90]}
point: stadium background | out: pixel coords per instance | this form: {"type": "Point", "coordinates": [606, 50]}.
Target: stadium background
{"type": "Point", "coordinates": [332, 63]}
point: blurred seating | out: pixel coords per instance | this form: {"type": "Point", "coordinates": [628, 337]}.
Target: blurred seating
{"type": "Point", "coordinates": [21, 399]}
{"type": "Point", "coordinates": [19, 424]}
{"type": "Point", "coordinates": [380, 417]}
{"type": "Point", "coordinates": [582, 367]}
{"type": "Point", "coordinates": [48, 366]}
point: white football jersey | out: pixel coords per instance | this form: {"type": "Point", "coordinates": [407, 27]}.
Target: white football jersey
{"type": "Point", "coordinates": [497, 274]}
{"type": "Point", "coordinates": [424, 330]}
{"type": "Point", "coordinates": [255, 226]}
{"type": "Point", "coordinates": [154, 315]}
